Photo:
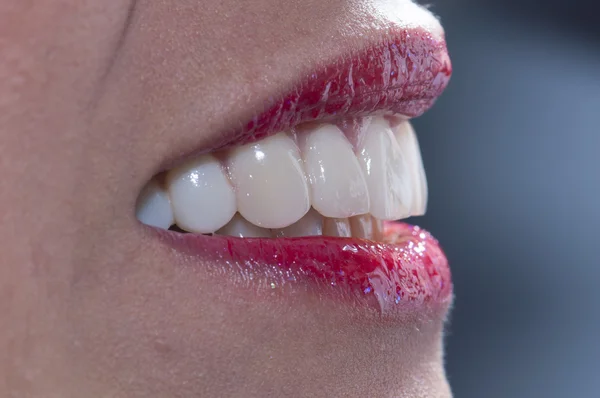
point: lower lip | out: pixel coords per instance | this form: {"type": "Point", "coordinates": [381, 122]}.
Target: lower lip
{"type": "Point", "coordinates": [409, 274]}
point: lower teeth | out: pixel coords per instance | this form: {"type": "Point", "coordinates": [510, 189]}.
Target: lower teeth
{"type": "Point", "coordinates": [313, 224]}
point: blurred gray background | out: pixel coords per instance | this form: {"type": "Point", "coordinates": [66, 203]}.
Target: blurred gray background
{"type": "Point", "coordinates": [512, 153]}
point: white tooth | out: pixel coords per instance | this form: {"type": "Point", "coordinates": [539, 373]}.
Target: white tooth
{"type": "Point", "coordinates": [338, 187]}
{"type": "Point", "coordinates": [407, 139]}
{"type": "Point", "coordinates": [337, 227]}
{"type": "Point", "coordinates": [154, 207]}
{"type": "Point", "coordinates": [241, 228]}
{"type": "Point", "coordinates": [362, 226]}
{"type": "Point", "coordinates": [203, 200]}
{"type": "Point", "coordinates": [309, 225]}
{"type": "Point", "coordinates": [271, 188]}
{"type": "Point", "coordinates": [386, 171]}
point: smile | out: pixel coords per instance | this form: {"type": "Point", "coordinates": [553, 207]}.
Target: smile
{"type": "Point", "coordinates": [308, 192]}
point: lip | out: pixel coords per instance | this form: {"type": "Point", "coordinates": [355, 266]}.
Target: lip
{"type": "Point", "coordinates": [408, 274]}
{"type": "Point", "coordinates": [401, 74]}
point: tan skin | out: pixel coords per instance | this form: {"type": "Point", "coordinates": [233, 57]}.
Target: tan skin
{"type": "Point", "coordinates": [96, 97]}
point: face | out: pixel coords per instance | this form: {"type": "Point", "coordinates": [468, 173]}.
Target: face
{"type": "Point", "coordinates": [197, 194]}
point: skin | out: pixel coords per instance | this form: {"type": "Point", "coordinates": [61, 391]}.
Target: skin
{"type": "Point", "coordinates": [95, 98]}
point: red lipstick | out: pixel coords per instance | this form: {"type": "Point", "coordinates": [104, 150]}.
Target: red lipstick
{"type": "Point", "coordinates": [402, 74]}
{"type": "Point", "coordinates": [406, 274]}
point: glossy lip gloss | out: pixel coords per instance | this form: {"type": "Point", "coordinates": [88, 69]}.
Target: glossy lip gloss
{"type": "Point", "coordinates": [403, 74]}
{"type": "Point", "coordinates": [405, 274]}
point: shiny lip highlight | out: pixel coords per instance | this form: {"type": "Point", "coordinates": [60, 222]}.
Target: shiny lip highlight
{"type": "Point", "coordinates": [408, 273]}
{"type": "Point", "coordinates": [401, 75]}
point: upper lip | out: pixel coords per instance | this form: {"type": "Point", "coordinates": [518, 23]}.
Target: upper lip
{"type": "Point", "coordinates": [402, 72]}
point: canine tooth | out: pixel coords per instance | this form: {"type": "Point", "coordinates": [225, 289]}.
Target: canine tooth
{"type": "Point", "coordinates": [154, 206]}
{"type": "Point", "coordinates": [203, 200]}
{"type": "Point", "coordinates": [407, 139]}
{"type": "Point", "coordinates": [338, 187]}
{"type": "Point", "coordinates": [386, 171]}
{"type": "Point", "coordinates": [241, 228]}
{"type": "Point", "coordinates": [270, 185]}
{"type": "Point", "coordinates": [337, 227]}
{"type": "Point", "coordinates": [309, 225]}
{"type": "Point", "coordinates": [362, 226]}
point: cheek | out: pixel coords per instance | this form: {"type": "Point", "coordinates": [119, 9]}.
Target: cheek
{"type": "Point", "coordinates": [52, 63]}
{"type": "Point", "coordinates": [55, 157]}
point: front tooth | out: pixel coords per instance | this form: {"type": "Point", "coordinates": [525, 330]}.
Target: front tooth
{"type": "Point", "coordinates": [271, 188]}
{"type": "Point", "coordinates": [362, 226]}
{"type": "Point", "coordinates": [154, 207]}
{"type": "Point", "coordinates": [386, 171]}
{"type": "Point", "coordinates": [338, 187]}
{"type": "Point", "coordinates": [241, 228]}
{"type": "Point", "coordinates": [337, 227]}
{"type": "Point", "coordinates": [309, 225]}
{"type": "Point", "coordinates": [203, 200]}
{"type": "Point", "coordinates": [407, 139]}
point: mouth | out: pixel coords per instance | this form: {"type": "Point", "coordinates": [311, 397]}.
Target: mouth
{"type": "Point", "coordinates": [307, 193]}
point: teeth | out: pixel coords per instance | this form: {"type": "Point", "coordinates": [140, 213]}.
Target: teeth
{"type": "Point", "coordinates": [154, 207]}
{"type": "Point", "coordinates": [338, 186]}
{"type": "Point", "coordinates": [203, 200]}
{"type": "Point", "coordinates": [407, 140]}
{"type": "Point", "coordinates": [339, 227]}
{"type": "Point", "coordinates": [387, 173]}
{"type": "Point", "coordinates": [362, 226]}
{"type": "Point", "coordinates": [267, 188]}
{"type": "Point", "coordinates": [309, 225]}
{"type": "Point", "coordinates": [271, 189]}
{"type": "Point", "coordinates": [241, 228]}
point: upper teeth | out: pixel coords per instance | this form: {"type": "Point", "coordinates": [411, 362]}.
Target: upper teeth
{"type": "Point", "coordinates": [269, 182]}
{"type": "Point", "coordinates": [338, 185]}
{"type": "Point", "coordinates": [267, 188]}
